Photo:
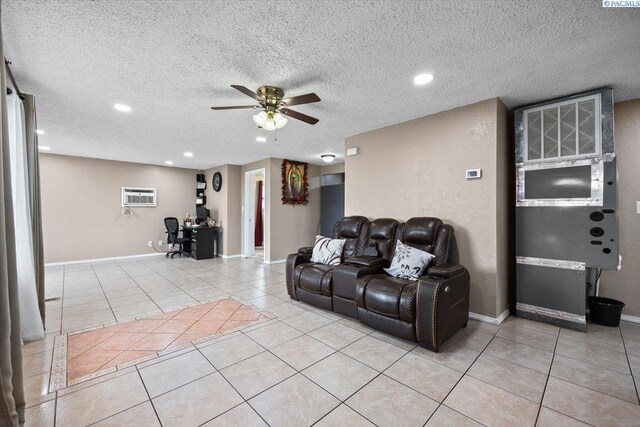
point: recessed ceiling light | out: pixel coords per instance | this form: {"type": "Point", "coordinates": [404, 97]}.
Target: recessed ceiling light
{"type": "Point", "coordinates": [261, 139]}
{"type": "Point", "coordinates": [44, 148]}
{"type": "Point", "coordinates": [39, 132]}
{"type": "Point", "coordinates": [188, 154]}
{"type": "Point", "coordinates": [122, 107]}
{"type": "Point", "coordinates": [328, 158]}
{"type": "Point", "coordinates": [168, 162]}
{"type": "Point", "coordinates": [423, 79]}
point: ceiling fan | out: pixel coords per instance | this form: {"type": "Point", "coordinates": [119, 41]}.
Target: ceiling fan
{"type": "Point", "coordinates": [273, 106]}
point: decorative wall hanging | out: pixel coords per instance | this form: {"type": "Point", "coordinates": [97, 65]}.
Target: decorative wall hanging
{"type": "Point", "coordinates": [295, 187]}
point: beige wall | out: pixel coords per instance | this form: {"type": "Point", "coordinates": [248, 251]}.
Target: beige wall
{"type": "Point", "coordinates": [505, 211]}
{"type": "Point", "coordinates": [287, 227]}
{"type": "Point", "coordinates": [93, 227]}
{"type": "Point", "coordinates": [293, 226]}
{"type": "Point", "coordinates": [332, 168]}
{"type": "Point", "coordinates": [81, 206]}
{"type": "Point", "coordinates": [417, 168]}
{"type": "Point", "coordinates": [224, 206]}
{"type": "Point", "coordinates": [624, 285]}
{"type": "Point", "coordinates": [216, 200]}
{"type": "Point", "coordinates": [234, 220]}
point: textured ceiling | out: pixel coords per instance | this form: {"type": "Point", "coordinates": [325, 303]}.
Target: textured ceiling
{"type": "Point", "coordinates": [172, 60]}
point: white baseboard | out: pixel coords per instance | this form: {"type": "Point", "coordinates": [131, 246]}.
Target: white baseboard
{"type": "Point", "coordinates": [230, 256]}
{"type": "Point", "coordinates": [83, 261]}
{"type": "Point", "coordinates": [498, 320]}
{"type": "Point", "coordinates": [277, 261]}
{"type": "Point", "coordinates": [493, 320]}
{"type": "Point", "coordinates": [630, 318]}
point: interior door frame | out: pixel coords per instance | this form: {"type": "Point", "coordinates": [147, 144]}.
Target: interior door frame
{"type": "Point", "coordinates": [248, 247]}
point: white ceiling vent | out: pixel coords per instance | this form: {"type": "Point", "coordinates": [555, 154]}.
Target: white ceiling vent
{"type": "Point", "coordinates": [132, 196]}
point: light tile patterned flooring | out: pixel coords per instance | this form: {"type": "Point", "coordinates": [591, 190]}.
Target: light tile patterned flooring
{"type": "Point", "coordinates": [122, 344]}
{"type": "Point", "coordinates": [312, 367]}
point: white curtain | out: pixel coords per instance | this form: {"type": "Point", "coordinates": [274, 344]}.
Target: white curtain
{"type": "Point", "coordinates": [30, 320]}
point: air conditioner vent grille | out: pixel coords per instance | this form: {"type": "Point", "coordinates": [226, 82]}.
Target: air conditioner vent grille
{"type": "Point", "coordinates": [569, 129]}
{"type": "Point", "coordinates": [138, 196]}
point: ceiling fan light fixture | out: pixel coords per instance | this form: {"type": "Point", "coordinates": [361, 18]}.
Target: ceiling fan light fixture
{"type": "Point", "coordinates": [328, 158]}
{"type": "Point", "coordinates": [270, 120]}
{"type": "Point", "coordinates": [269, 125]}
{"type": "Point", "coordinates": [279, 120]}
{"type": "Point", "coordinates": [261, 118]}
{"type": "Point", "coordinates": [273, 107]}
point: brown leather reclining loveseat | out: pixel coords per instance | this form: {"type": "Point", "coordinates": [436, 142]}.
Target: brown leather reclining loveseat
{"type": "Point", "coordinates": [427, 310]}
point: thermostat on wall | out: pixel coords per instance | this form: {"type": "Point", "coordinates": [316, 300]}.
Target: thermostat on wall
{"type": "Point", "coordinates": [474, 173]}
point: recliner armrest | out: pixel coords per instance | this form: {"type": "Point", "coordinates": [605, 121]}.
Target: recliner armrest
{"type": "Point", "coordinates": [446, 271]}
{"type": "Point", "coordinates": [306, 250]}
{"type": "Point", "coordinates": [442, 305]}
{"type": "Point", "coordinates": [293, 261]}
{"type": "Point", "coordinates": [366, 261]}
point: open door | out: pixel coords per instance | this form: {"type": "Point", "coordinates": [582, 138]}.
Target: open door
{"type": "Point", "coordinates": [258, 235]}
{"type": "Point", "coordinates": [254, 182]}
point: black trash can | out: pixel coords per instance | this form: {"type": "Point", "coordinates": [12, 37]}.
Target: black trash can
{"type": "Point", "coordinates": [605, 311]}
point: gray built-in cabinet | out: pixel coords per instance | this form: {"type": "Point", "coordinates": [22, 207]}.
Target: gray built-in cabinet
{"type": "Point", "coordinates": [566, 205]}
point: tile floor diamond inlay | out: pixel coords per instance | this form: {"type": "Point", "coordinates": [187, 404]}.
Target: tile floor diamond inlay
{"type": "Point", "coordinates": [101, 350]}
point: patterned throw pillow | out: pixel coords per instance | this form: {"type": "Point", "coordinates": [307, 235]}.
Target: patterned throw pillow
{"type": "Point", "coordinates": [408, 262]}
{"type": "Point", "coordinates": [327, 251]}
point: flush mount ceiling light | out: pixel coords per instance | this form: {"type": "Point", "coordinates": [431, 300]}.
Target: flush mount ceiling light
{"type": "Point", "coordinates": [328, 158]}
{"type": "Point", "coordinates": [188, 154]}
{"type": "Point", "coordinates": [423, 79]}
{"type": "Point", "coordinates": [273, 106]}
{"type": "Point", "coordinates": [122, 107]}
{"type": "Point", "coordinates": [39, 132]}
{"type": "Point", "coordinates": [44, 148]}
{"type": "Point", "coordinates": [168, 162]}
{"type": "Point", "coordinates": [261, 139]}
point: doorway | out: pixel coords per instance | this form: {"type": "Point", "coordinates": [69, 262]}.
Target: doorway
{"type": "Point", "coordinates": [254, 214]}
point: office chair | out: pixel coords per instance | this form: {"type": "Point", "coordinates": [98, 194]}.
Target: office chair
{"type": "Point", "coordinates": [173, 228]}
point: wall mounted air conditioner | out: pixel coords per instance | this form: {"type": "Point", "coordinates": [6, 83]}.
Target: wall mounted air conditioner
{"type": "Point", "coordinates": [132, 196]}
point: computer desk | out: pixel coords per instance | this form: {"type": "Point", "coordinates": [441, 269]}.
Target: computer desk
{"type": "Point", "coordinates": [203, 241]}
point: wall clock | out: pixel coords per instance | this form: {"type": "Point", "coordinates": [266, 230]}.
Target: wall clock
{"type": "Point", "coordinates": [217, 181]}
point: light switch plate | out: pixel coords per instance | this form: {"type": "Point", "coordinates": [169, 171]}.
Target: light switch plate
{"type": "Point", "coordinates": [638, 207]}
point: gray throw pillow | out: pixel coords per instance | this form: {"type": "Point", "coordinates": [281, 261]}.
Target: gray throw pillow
{"type": "Point", "coordinates": [408, 262]}
{"type": "Point", "coordinates": [327, 251]}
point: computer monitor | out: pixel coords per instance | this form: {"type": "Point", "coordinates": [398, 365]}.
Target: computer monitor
{"type": "Point", "coordinates": [202, 213]}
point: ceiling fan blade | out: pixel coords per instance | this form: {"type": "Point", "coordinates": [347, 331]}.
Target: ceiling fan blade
{"type": "Point", "coordinates": [307, 98]}
{"type": "Point", "coordinates": [299, 116]}
{"type": "Point", "coordinates": [247, 92]}
{"type": "Point", "coordinates": [235, 107]}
